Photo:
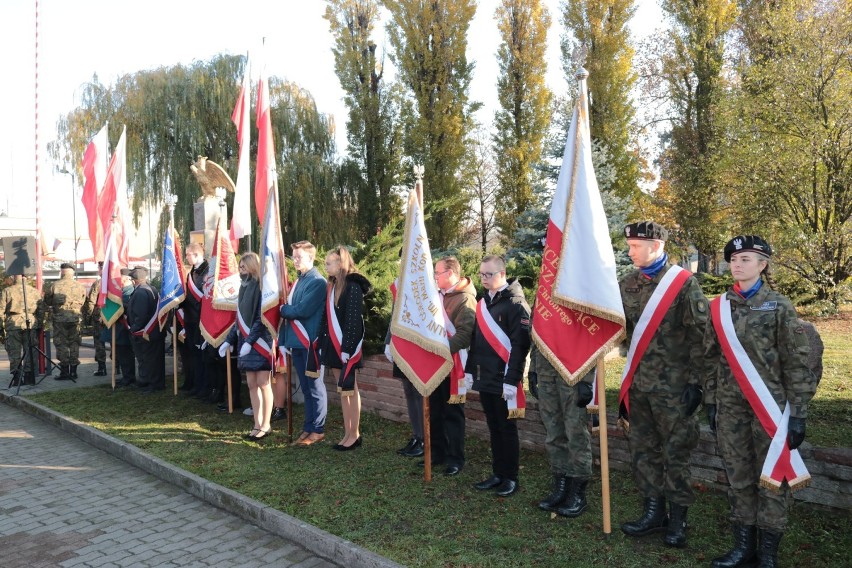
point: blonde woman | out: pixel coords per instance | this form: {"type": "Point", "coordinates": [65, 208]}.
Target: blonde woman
{"type": "Point", "coordinates": [341, 338]}
{"type": "Point", "coordinates": [254, 342]}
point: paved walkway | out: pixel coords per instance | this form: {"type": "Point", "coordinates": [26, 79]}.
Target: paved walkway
{"type": "Point", "coordinates": [63, 502]}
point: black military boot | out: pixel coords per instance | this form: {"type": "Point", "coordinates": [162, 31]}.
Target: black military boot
{"type": "Point", "coordinates": [744, 552]}
{"type": "Point", "coordinates": [561, 487]}
{"type": "Point", "coordinates": [101, 372]}
{"type": "Point", "coordinates": [73, 371]}
{"type": "Point", "coordinates": [676, 532]}
{"type": "Point", "coordinates": [576, 502]}
{"type": "Point", "coordinates": [16, 378]}
{"type": "Point", "coordinates": [64, 373]}
{"type": "Point", "coordinates": [768, 553]}
{"type": "Point", "coordinates": [29, 377]}
{"type": "Point", "coordinates": [653, 519]}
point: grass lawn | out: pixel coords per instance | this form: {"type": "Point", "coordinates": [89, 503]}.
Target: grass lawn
{"type": "Point", "coordinates": [379, 500]}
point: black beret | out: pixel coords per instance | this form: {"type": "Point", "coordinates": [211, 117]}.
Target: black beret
{"type": "Point", "coordinates": [125, 272]}
{"type": "Point", "coordinates": [139, 273]}
{"type": "Point", "coordinates": [747, 242]}
{"type": "Point", "coordinates": [647, 230]}
{"type": "Point", "coordinates": [65, 265]}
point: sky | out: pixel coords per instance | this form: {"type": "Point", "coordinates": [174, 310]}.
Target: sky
{"type": "Point", "coordinates": [82, 38]}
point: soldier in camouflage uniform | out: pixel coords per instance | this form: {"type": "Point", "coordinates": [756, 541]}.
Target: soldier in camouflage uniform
{"type": "Point", "coordinates": [665, 391]}
{"type": "Point", "coordinates": [69, 304]}
{"type": "Point", "coordinates": [20, 324]}
{"type": "Point", "coordinates": [562, 408]}
{"type": "Point", "coordinates": [777, 344]}
{"type": "Point", "coordinates": [97, 325]}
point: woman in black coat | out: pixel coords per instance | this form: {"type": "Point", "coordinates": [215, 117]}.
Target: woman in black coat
{"type": "Point", "coordinates": [254, 342]}
{"type": "Point", "coordinates": [341, 338]}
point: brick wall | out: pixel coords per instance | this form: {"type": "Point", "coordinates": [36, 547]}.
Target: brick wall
{"type": "Point", "coordinates": [831, 468]}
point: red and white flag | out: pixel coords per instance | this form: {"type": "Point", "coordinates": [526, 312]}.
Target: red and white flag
{"type": "Point", "coordinates": [112, 205]}
{"type": "Point", "coordinates": [94, 176]}
{"type": "Point", "coordinates": [241, 216]}
{"type": "Point", "coordinates": [273, 269]}
{"type": "Point", "coordinates": [221, 290]}
{"type": "Point", "coordinates": [419, 343]}
{"type": "Point", "coordinates": [578, 314]}
{"type": "Point", "coordinates": [266, 173]}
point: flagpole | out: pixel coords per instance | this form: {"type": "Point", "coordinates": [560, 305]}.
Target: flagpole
{"type": "Point", "coordinates": [427, 430]}
{"type": "Point", "coordinates": [600, 377]}
{"type": "Point", "coordinates": [112, 347]}
{"type": "Point", "coordinates": [171, 201]}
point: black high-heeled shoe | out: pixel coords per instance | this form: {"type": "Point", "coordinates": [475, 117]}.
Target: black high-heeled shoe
{"type": "Point", "coordinates": [261, 434]}
{"type": "Point", "coordinates": [356, 444]}
{"type": "Point", "coordinates": [251, 434]}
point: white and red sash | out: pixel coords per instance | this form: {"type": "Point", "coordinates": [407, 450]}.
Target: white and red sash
{"type": "Point", "coordinates": [781, 463]}
{"type": "Point", "coordinates": [500, 343]}
{"type": "Point", "coordinates": [458, 392]}
{"type": "Point", "coordinates": [261, 346]}
{"type": "Point", "coordinates": [336, 335]}
{"type": "Point", "coordinates": [196, 292]}
{"type": "Point", "coordinates": [298, 329]}
{"type": "Point", "coordinates": [655, 310]}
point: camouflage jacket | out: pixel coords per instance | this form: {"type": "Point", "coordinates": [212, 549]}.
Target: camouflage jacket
{"type": "Point", "coordinates": [95, 311]}
{"type": "Point", "coordinates": [67, 300]}
{"type": "Point", "coordinates": [669, 363]}
{"type": "Point", "coordinates": [777, 344]}
{"type": "Point", "coordinates": [12, 303]}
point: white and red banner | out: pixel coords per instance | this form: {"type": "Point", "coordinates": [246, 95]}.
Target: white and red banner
{"type": "Point", "coordinates": [221, 291]}
{"type": "Point", "coordinates": [241, 215]}
{"type": "Point", "coordinates": [578, 315]}
{"type": "Point", "coordinates": [655, 310]}
{"type": "Point", "coordinates": [781, 463]}
{"type": "Point", "coordinates": [266, 173]}
{"type": "Point", "coordinates": [112, 205]}
{"type": "Point", "coordinates": [94, 176]}
{"type": "Point", "coordinates": [273, 268]}
{"type": "Point", "coordinates": [419, 342]}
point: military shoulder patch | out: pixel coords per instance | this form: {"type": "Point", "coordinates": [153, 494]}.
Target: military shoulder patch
{"type": "Point", "coordinates": [766, 307]}
{"type": "Point", "coordinates": [701, 306]}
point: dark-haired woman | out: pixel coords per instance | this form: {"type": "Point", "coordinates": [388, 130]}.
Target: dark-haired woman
{"type": "Point", "coordinates": [757, 394]}
{"type": "Point", "coordinates": [341, 338]}
{"type": "Point", "coordinates": [254, 342]}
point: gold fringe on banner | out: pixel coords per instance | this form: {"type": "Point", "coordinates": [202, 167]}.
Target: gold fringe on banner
{"type": "Point", "coordinates": [517, 413]}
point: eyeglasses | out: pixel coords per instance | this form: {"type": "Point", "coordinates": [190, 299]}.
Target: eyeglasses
{"type": "Point", "coordinates": [488, 275]}
{"type": "Point", "coordinates": [441, 273]}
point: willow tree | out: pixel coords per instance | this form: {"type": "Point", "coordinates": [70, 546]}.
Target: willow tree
{"type": "Point", "coordinates": [599, 39]}
{"type": "Point", "coordinates": [522, 119]}
{"type": "Point", "coordinates": [787, 165]}
{"type": "Point", "coordinates": [429, 41]}
{"type": "Point", "coordinates": [173, 115]}
{"type": "Point", "coordinates": [691, 69]}
{"type": "Point", "coordinates": [373, 128]}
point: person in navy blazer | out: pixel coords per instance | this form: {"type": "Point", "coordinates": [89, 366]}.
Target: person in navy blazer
{"type": "Point", "coordinates": [303, 312]}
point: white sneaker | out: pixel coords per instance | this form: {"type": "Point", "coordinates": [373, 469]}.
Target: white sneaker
{"type": "Point", "coordinates": [248, 411]}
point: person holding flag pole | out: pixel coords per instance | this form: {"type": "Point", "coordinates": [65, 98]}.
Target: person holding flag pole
{"type": "Point", "coordinates": [577, 319]}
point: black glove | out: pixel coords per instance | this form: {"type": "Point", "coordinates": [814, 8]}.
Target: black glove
{"type": "Point", "coordinates": [711, 416]}
{"type": "Point", "coordinates": [622, 412]}
{"type": "Point", "coordinates": [532, 379]}
{"type": "Point", "coordinates": [691, 398]}
{"type": "Point", "coordinates": [596, 421]}
{"type": "Point", "coordinates": [584, 393]}
{"type": "Point", "coordinates": [795, 432]}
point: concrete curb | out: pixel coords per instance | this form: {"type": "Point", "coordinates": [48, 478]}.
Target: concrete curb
{"type": "Point", "coordinates": [317, 541]}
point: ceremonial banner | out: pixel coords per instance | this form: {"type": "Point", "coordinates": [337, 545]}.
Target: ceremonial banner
{"type": "Point", "coordinates": [221, 289]}
{"type": "Point", "coordinates": [273, 268]}
{"type": "Point", "coordinates": [419, 342]}
{"type": "Point", "coordinates": [578, 315]}
{"type": "Point", "coordinates": [94, 177]}
{"type": "Point", "coordinates": [265, 174]}
{"type": "Point", "coordinates": [109, 297]}
{"type": "Point", "coordinates": [241, 215]}
{"type": "Point", "coordinates": [112, 205]}
{"type": "Point", "coordinates": [172, 290]}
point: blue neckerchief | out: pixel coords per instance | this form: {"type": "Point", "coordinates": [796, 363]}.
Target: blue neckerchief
{"type": "Point", "coordinates": [751, 291]}
{"type": "Point", "coordinates": [656, 266]}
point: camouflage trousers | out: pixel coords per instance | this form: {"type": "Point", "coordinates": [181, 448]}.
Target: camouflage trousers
{"type": "Point", "coordinates": [100, 346]}
{"type": "Point", "coordinates": [567, 442]}
{"type": "Point", "coordinates": [743, 445]}
{"type": "Point", "coordinates": [66, 339]}
{"type": "Point", "coordinates": [16, 348]}
{"type": "Point", "coordinates": [661, 438]}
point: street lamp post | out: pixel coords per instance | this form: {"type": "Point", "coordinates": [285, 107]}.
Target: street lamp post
{"type": "Point", "coordinates": [73, 209]}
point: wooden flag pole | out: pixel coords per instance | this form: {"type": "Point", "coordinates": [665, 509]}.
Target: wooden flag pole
{"type": "Point", "coordinates": [112, 348]}
{"type": "Point", "coordinates": [230, 394]}
{"type": "Point", "coordinates": [605, 505]}
{"type": "Point", "coordinates": [174, 351]}
{"type": "Point", "coordinates": [289, 387]}
{"type": "Point", "coordinates": [427, 433]}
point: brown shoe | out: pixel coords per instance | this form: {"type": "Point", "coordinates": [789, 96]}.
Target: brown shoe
{"type": "Point", "coordinates": [311, 439]}
{"type": "Point", "coordinates": [302, 436]}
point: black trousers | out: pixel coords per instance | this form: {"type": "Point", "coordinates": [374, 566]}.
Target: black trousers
{"type": "Point", "coordinates": [151, 357]}
{"type": "Point", "coordinates": [505, 447]}
{"type": "Point", "coordinates": [126, 361]}
{"type": "Point", "coordinates": [446, 424]}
